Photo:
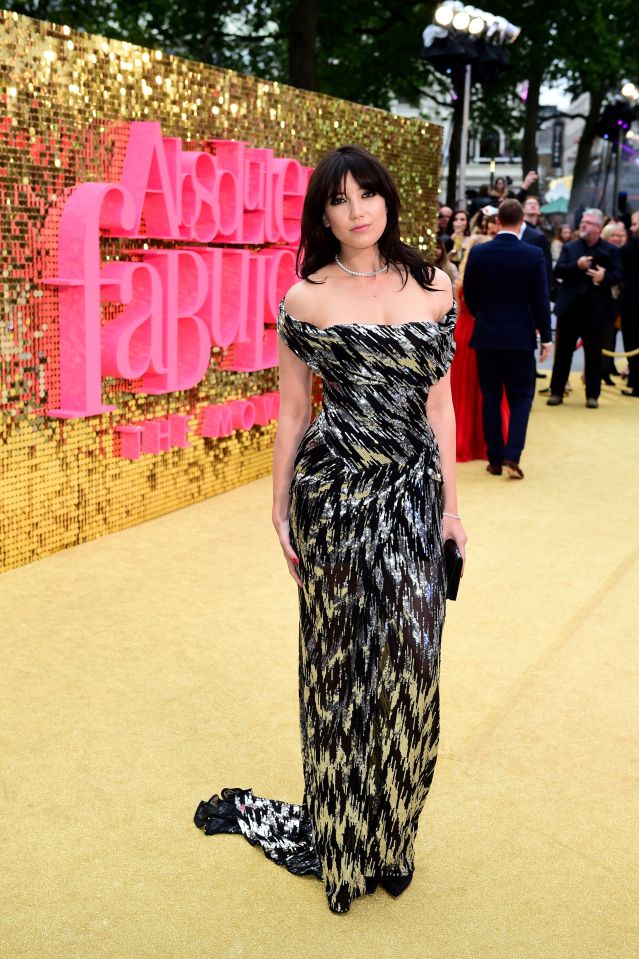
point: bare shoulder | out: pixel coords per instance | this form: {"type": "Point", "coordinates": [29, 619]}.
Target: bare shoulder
{"type": "Point", "coordinates": [443, 290]}
{"type": "Point", "coordinates": [442, 283]}
{"type": "Point", "coordinates": [304, 298]}
{"type": "Point", "coordinates": [295, 295]}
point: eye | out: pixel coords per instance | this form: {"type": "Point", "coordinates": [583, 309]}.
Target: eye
{"type": "Point", "coordinates": [335, 200]}
{"type": "Point", "coordinates": [367, 193]}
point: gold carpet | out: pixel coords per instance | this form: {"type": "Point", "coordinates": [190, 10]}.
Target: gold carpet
{"type": "Point", "coordinates": [145, 670]}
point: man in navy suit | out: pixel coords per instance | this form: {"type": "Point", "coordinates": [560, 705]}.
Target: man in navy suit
{"type": "Point", "coordinates": [506, 290]}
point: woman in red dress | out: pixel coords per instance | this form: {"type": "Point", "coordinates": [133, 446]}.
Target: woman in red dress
{"type": "Point", "coordinates": [464, 380]}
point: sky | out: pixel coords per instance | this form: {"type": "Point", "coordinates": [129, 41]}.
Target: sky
{"type": "Point", "coordinates": [555, 96]}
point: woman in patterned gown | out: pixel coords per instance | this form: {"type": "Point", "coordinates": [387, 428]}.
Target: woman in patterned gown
{"type": "Point", "coordinates": [364, 497]}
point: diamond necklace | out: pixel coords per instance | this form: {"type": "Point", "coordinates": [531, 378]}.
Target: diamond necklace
{"type": "Point", "coordinates": [382, 269]}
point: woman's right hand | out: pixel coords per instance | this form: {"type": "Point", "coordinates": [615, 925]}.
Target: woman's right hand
{"type": "Point", "coordinates": [292, 560]}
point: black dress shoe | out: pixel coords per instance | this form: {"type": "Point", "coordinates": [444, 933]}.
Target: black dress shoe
{"type": "Point", "coordinates": [494, 469]}
{"type": "Point", "coordinates": [540, 376]}
{"type": "Point", "coordinates": [630, 392]}
{"type": "Point", "coordinates": [607, 380]}
{"type": "Point", "coordinates": [395, 885]}
{"type": "Point", "coordinates": [513, 469]}
{"type": "Point", "coordinates": [372, 882]}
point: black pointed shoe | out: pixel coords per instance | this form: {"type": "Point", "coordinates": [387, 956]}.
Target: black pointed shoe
{"type": "Point", "coordinates": [513, 469]}
{"type": "Point", "coordinates": [395, 885]}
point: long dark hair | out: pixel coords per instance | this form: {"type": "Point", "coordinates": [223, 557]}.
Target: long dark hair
{"type": "Point", "coordinates": [318, 245]}
{"type": "Point", "coordinates": [449, 228]}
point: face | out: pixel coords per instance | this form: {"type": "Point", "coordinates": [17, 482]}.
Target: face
{"type": "Point", "coordinates": [460, 222]}
{"type": "Point", "coordinates": [500, 184]}
{"type": "Point", "coordinates": [565, 234]}
{"type": "Point", "coordinates": [634, 224]}
{"type": "Point", "coordinates": [589, 228]}
{"type": "Point", "coordinates": [492, 227]}
{"type": "Point", "coordinates": [444, 216]}
{"type": "Point", "coordinates": [617, 236]}
{"type": "Point", "coordinates": [357, 217]}
{"type": "Point", "coordinates": [532, 209]}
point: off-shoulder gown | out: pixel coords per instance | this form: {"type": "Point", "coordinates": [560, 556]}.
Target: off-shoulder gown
{"type": "Point", "coordinates": [365, 521]}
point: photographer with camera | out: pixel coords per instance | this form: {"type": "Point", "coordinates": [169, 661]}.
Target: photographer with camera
{"type": "Point", "coordinates": [588, 269]}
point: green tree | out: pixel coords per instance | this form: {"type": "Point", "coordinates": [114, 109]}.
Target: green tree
{"type": "Point", "coordinates": [534, 56]}
{"type": "Point", "coordinates": [602, 53]}
{"type": "Point", "coordinates": [590, 44]}
{"type": "Point", "coordinates": [369, 51]}
{"type": "Point", "coordinates": [363, 50]}
{"type": "Point", "coordinates": [531, 62]}
{"type": "Point", "coordinates": [229, 33]}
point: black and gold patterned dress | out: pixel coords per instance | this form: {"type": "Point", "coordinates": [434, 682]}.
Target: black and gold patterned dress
{"type": "Point", "coordinates": [365, 521]}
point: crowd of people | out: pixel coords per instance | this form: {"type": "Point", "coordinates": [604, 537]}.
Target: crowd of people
{"type": "Point", "coordinates": [592, 275]}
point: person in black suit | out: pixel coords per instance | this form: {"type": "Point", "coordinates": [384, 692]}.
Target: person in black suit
{"type": "Point", "coordinates": [588, 268]}
{"type": "Point", "coordinates": [531, 233]}
{"type": "Point", "coordinates": [506, 290]}
{"type": "Point", "coordinates": [629, 304]}
{"type": "Point", "coordinates": [534, 236]}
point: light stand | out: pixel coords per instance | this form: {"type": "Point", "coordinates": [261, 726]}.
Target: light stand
{"type": "Point", "coordinates": [463, 158]}
{"type": "Point", "coordinates": [466, 44]}
{"type": "Point", "coordinates": [616, 119]}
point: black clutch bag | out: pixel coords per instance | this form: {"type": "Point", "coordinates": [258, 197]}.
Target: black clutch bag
{"type": "Point", "coordinates": [454, 565]}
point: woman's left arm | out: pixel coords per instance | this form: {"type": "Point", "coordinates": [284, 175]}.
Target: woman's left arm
{"type": "Point", "coordinates": [441, 416]}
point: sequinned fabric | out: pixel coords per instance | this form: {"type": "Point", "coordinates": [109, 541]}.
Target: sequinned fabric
{"type": "Point", "coordinates": [365, 521]}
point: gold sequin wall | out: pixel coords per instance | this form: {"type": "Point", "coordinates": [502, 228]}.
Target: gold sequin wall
{"type": "Point", "coordinates": [69, 100]}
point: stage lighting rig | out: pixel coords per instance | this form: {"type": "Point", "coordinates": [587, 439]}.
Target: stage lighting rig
{"type": "Point", "coordinates": [467, 45]}
{"type": "Point", "coordinates": [461, 18]}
